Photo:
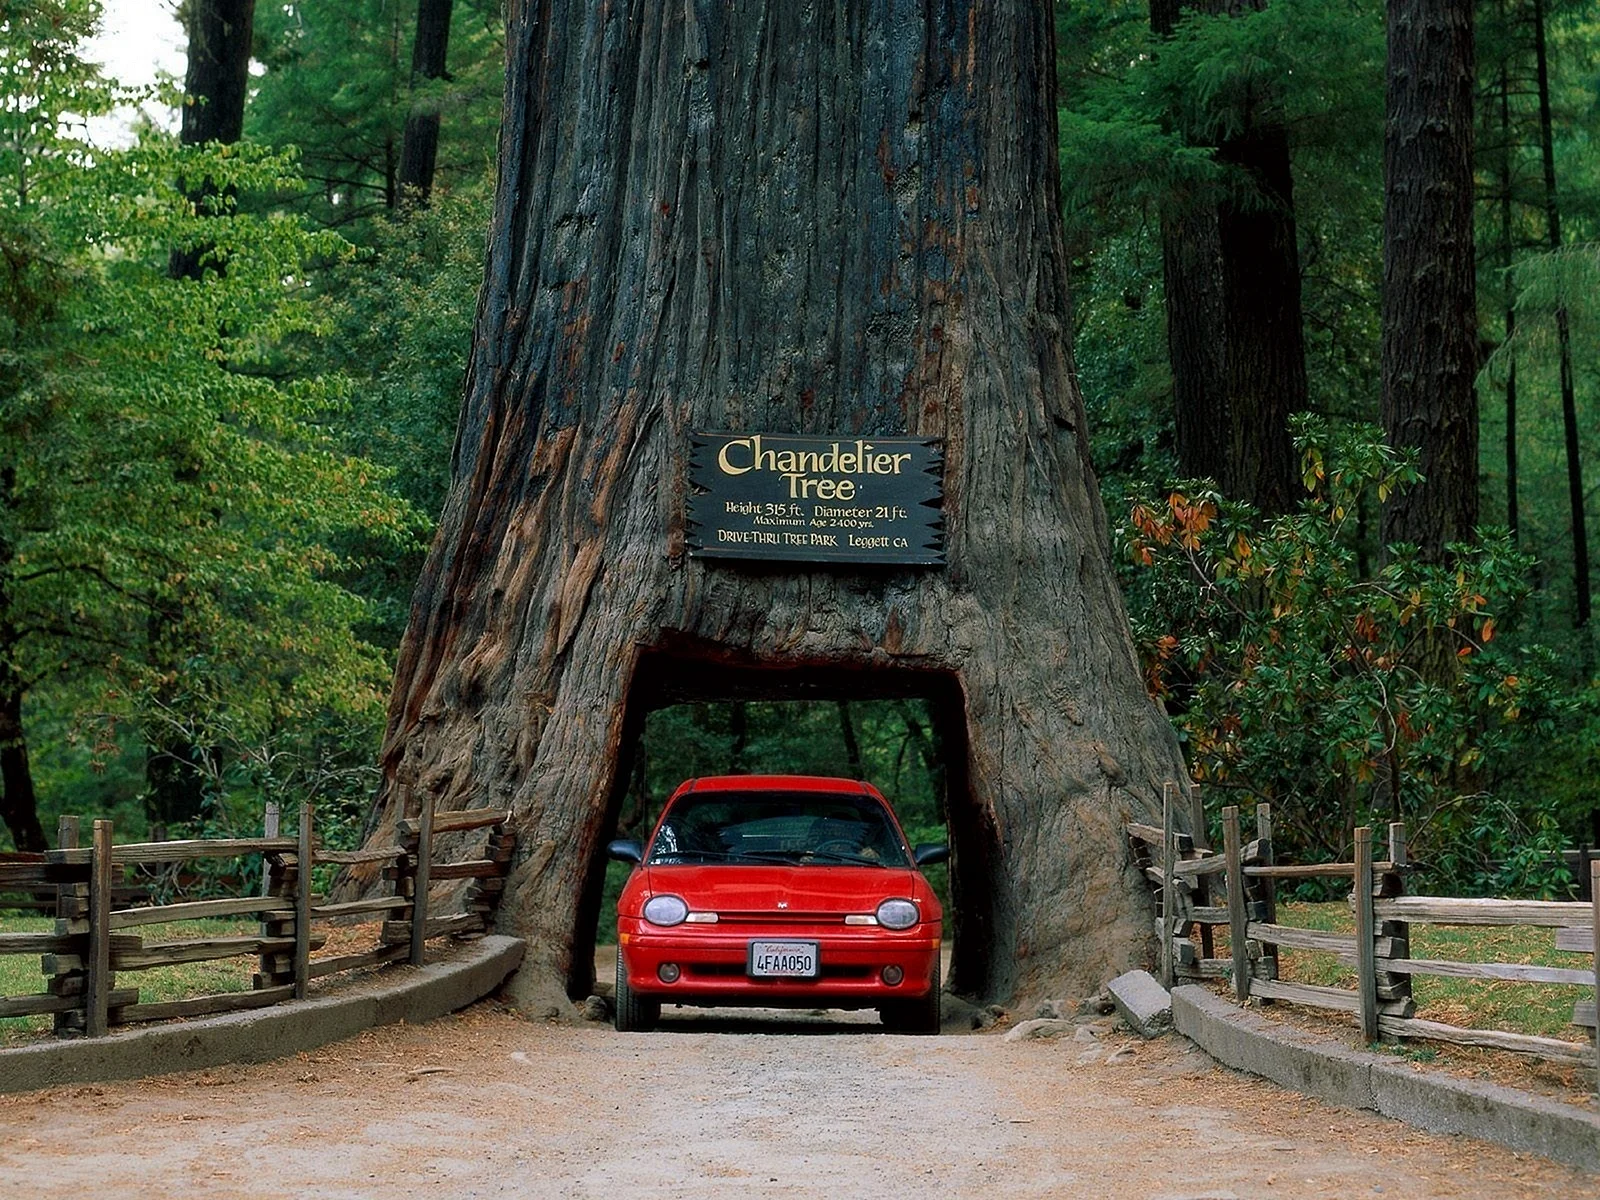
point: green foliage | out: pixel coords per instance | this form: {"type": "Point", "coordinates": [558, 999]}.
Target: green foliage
{"type": "Point", "coordinates": [162, 391]}
{"type": "Point", "coordinates": [1344, 693]}
{"type": "Point", "coordinates": [400, 318]}
{"type": "Point", "coordinates": [337, 85]}
{"type": "Point", "coordinates": [163, 470]}
{"type": "Point", "coordinates": [1141, 120]}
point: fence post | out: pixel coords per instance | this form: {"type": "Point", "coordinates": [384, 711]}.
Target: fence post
{"type": "Point", "coordinates": [271, 822]}
{"type": "Point", "coordinates": [1268, 886]}
{"type": "Point", "coordinates": [1168, 890]}
{"type": "Point", "coordinates": [1594, 902]}
{"type": "Point", "coordinates": [1398, 933]}
{"type": "Point", "coordinates": [72, 907]}
{"type": "Point", "coordinates": [67, 833]}
{"type": "Point", "coordinates": [302, 906]}
{"type": "Point", "coordinates": [1366, 963]}
{"type": "Point", "coordinates": [1201, 883]}
{"type": "Point", "coordinates": [1237, 916]}
{"type": "Point", "coordinates": [1197, 818]}
{"type": "Point", "coordinates": [419, 881]}
{"type": "Point", "coordinates": [97, 987]}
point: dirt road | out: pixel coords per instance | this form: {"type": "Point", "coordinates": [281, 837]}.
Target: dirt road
{"type": "Point", "coordinates": [485, 1104]}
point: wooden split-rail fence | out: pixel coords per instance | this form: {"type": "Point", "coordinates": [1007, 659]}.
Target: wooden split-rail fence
{"type": "Point", "coordinates": [1198, 890]}
{"type": "Point", "coordinates": [95, 945]}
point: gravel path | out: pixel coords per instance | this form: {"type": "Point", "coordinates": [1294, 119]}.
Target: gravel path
{"type": "Point", "coordinates": [485, 1104]}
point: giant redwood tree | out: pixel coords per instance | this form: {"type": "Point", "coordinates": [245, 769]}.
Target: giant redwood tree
{"type": "Point", "coordinates": [782, 216]}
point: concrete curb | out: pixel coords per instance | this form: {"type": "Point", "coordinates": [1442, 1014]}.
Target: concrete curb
{"type": "Point", "coordinates": [415, 995]}
{"type": "Point", "coordinates": [1323, 1068]}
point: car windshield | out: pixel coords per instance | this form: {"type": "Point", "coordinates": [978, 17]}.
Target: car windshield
{"type": "Point", "coordinates": [804, 828]}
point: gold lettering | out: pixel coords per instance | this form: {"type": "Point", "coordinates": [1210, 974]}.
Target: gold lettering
{"type": "Point", "coordinates": [722, 457]}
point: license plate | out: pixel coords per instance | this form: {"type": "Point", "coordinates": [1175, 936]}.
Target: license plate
{"type": "Point", "coordinates": [783, 960]}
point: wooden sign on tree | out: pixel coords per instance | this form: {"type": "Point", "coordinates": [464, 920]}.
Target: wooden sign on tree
{"type": "Point", "coordinates": [766, 497]}
{"type": "Point", "coordinates": [802, 218]}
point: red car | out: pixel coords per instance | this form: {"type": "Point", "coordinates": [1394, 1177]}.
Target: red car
{"type": "Point", "coordinates": [778, 891]}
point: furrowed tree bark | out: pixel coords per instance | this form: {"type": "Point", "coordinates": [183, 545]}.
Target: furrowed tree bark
{"type": "Point", "coordinates": [419, 146]}
{"type": "Point", "coordinates": [1191, 272]}
{"type": "Point", "coordinates": [1430, 345]}
{"type": "Point", "coordinates": [791, 217]}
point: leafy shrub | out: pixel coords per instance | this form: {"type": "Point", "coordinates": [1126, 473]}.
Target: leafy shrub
{"type": "Point", "coordinates": [1347, 690]}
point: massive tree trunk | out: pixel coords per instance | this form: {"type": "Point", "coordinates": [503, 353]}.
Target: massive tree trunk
{"type": "Point", "coordinates": [788, 217]}
{"type": "Point", "coordinates": [1232, 283]}
{"type": "Point", "coordinates": [419, 148]}
{"type": "Point", "coordinates": [1430, 342]}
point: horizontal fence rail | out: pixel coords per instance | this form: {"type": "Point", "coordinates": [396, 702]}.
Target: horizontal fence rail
{"type": "Point", "coordinates": [1181, 869]}
{"type": "Point", "coordinates": [99, 918]}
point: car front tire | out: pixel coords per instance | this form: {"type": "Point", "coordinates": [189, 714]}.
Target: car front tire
{"type": "Point", "coordinates": [634, 1013]}
{"type": "Point", "coordinates": [915, 1016]}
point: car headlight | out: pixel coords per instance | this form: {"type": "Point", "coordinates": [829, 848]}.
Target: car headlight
{"type": "Point", "coordinates": [665, 910]}
{"type": "Point", "coordinates": [898, 914]}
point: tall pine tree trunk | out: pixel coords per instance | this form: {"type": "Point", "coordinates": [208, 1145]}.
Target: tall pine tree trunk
{"type": "Point", "coordinates": [1507, 262]}
{"type": "Point", "coordinates": [1430, 343]}
{"type": "Point", "coordinates": [419, 147]}
{"type": "Point", "coordinates": [215, 85]}
{"type": "Point", "coordinates": [793, 217]}
{"type": "Point", "coordinates": [1265, 357]}
{"type": "Point", "coordinates": [1231, 271]}
{"type": "Point", "coordinates": [1569, 398]}
{"type": "Point", "coordinates": [19, 805]}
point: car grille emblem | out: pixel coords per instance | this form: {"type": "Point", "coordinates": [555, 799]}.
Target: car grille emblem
{"type": "Point", "coordinates": [783, 904]}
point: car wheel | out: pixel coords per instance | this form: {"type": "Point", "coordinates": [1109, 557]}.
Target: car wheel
{"type": "Point", "coordinates": [915, 1016]}
{"type": "Point", "coordinates": [634, 1013]}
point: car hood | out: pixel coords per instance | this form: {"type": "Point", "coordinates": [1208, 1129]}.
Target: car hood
{"type": "Point", "coordinates": [781, 890]}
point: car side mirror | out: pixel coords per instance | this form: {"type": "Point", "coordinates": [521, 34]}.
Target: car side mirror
{"type": "Point", "coordinates": [930, 852]}
{"type": "Point", "coordinates": [626, 850]}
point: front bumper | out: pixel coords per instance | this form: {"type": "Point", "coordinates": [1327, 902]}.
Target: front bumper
{"type": "Point", "coordinates": [713, 965]}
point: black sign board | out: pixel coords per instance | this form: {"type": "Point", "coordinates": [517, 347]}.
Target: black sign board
{"type": "Point", "coordinates": [817, 499]}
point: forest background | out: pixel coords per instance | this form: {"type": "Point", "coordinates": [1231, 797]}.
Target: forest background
{"type": "Point", "coordinates": [231, 362]}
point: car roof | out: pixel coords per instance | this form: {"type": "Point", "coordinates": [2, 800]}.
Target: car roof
{"type": "Point", "coordinates": [778, 783]}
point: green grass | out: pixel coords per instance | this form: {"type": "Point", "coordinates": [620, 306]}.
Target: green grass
{"type": "Point", "coordinates": [20, 975]}
{"type": "Point", "coordinates": [1544, 1010]}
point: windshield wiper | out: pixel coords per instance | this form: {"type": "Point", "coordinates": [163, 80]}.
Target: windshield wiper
{"type": "Point", "coordinates": [668, 858]}
{"type": "Point", "coordinates": [859, 860]}
{"type": "Point", "coordinates": [679, 857]}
